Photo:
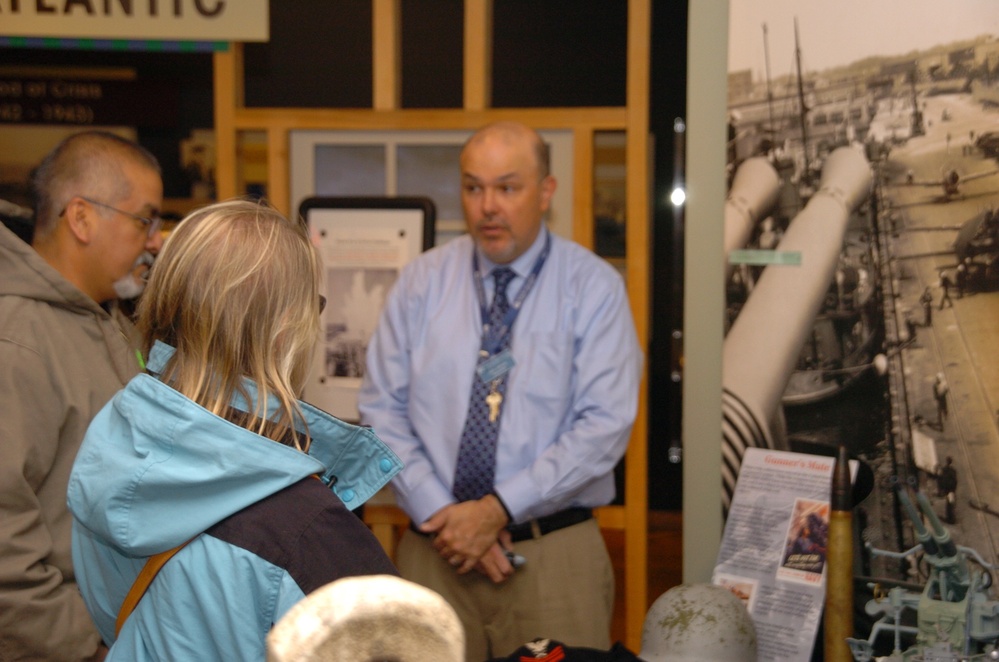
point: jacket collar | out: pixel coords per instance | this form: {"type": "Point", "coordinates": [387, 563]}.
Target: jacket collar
{"type": "Point", "coordinates": [357, 462]}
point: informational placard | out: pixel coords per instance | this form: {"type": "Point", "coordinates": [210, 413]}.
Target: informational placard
{"type": "Point", "coordinates": [189, 20]}
{"type": "Point", "coordinates": [364, 243]}
{"type": "Point", "coordinates": [773, 551]}
{"type": "Point", "coordinates": [92, 98]}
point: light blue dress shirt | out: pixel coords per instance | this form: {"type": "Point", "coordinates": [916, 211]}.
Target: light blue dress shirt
{"type": "Point", "coordinates": [572, 394]}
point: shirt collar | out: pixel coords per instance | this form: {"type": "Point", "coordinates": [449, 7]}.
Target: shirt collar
{"type": "Point", "coordinates": [523, 264]}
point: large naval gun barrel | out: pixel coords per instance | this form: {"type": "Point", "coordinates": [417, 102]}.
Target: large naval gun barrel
{"type": "Point", "coordinates": [761, 349]}
{"type": "Point", "coordinates": [922, 535]}
{"type": "Point", "coordinates": [754, 192]}
{"type": "Point", "coordinates": [950, 578]}
{"type": "Point", "coordinates": [945, 545]}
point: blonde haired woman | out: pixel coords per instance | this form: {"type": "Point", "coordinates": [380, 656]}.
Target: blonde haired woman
{"type": "Point", "coordinates": [212, 452]}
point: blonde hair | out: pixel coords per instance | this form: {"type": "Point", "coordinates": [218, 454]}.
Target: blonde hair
{"type": "Point", "coordinates": [236, 291]}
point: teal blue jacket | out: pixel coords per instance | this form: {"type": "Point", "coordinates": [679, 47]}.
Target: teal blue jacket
{"type": "Point", "coordinates": [157, 470]}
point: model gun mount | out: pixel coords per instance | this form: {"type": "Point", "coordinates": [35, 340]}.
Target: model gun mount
{"type": "Point", "coordinates": [955, 618]}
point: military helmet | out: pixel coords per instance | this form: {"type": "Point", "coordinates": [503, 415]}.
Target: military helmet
{"type": "Point", "coordinates": [368, 618]}
{"type": "Point", "coordinates": [698, 623]}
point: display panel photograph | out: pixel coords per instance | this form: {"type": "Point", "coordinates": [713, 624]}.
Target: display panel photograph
{"type": "Point", "coordinates": [862, 288]}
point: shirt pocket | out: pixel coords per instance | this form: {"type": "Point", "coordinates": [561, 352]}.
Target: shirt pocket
{"type": "Point", "coordinates": [545, 368]}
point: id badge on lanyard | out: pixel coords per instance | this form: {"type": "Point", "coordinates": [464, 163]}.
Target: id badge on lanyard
{"type": "Point", "coordinates": [499, 364]}
{"type": "Point", "coordinates": [495, 366]}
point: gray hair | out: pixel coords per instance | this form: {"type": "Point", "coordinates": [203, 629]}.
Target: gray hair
{"type": "Point", "coordinates": [87, 163]}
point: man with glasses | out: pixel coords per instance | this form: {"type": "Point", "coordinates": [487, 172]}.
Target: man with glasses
{"type": "Point", "coordinates": [64, 351]}
{"type": "Point", "coordinates": [132, 283]}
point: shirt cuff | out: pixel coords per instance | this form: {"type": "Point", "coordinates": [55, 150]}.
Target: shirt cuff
{"type": "Point", "coordinates": [503, 505]}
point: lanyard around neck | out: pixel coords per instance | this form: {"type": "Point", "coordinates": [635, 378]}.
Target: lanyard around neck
{"type": "Point", "coordinates": [491, 337]}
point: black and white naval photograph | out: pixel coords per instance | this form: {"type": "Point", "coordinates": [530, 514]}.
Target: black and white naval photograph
{"type": "Point", "coordinates": [357, 297]}
{"type": "Point", "coordinates": [862, 289]}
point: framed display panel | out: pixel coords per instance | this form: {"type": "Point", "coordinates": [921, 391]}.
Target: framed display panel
{"type": "Point", "coordinates": [884, 122]}
{"type": "Point", "coordinates": [703, 287]}
{"type": "Point", "coordinates": [895, 128]}
{"type": "Point", "coordinates": [364, 243]}
{"type": "Point", "coordinates": [410, 163]}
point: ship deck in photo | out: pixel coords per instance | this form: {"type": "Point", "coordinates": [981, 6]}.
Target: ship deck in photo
{"type": "Point", "coordinates": [958, 337]}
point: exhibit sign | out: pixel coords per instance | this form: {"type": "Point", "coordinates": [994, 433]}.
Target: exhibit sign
{"type": "Point", "coordinates": [182, 20]}
{"type": "Point", "coordinates": [364, 242]}
{"type": "Point", "coordinates": [91, 97]}
{"type": "Point", "coordinates": [774, 548]}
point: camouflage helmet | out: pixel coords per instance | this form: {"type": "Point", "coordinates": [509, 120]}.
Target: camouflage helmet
{"type": "Point", "coordinates": [698, 623]}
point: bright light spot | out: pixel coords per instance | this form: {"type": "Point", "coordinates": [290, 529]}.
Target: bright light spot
{"type": "Point", "coordinates": [678, 196]}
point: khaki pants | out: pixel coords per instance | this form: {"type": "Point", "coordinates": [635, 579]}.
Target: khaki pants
{"type": "Point", "coordinates": [564, 592]}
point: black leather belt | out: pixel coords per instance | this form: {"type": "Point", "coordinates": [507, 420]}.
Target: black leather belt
{"type": "Point", "coordinates": [536, 528]}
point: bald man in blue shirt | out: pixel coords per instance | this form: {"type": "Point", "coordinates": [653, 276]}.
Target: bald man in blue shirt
{"type": "Point", "coordinates": [545, 384]}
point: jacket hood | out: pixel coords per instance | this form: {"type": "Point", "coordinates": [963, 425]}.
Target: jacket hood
{"type": "Point", "coordinates": [156, 469]}
{"type": "Point", "coordinates": [24, 273]}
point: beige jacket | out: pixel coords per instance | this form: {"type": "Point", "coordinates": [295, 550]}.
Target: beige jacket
{"type": "Point", "coordinates": [62, 357]}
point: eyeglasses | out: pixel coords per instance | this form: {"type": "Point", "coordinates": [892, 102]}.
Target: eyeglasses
{"type": "Point", "coordinates": [152, 224]}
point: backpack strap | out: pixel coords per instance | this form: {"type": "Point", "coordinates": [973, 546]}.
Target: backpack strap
{"type": "Point", "coordinates": [142, 582]}
{"type": "Point", "coordinates": [146, 576]}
